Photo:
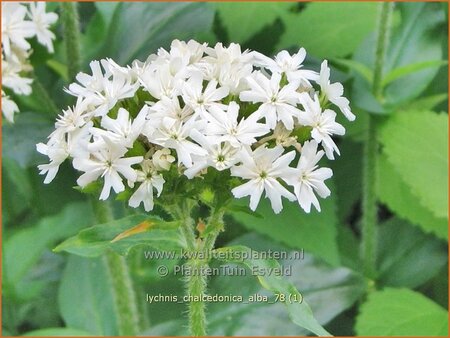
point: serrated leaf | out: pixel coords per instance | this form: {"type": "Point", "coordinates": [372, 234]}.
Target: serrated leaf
{"type": "Point", "coordinates": [394, 192]}
{"type": "Point", "coordinates": [242, 20]}
{"type": "Point", "coordinates": [96, 240]}
{"type": "Point", "coordinates": [315, 232]}
{"type": "Point", "coordinates": [329, 29]}
{"type": "Point", "coordinates": [416, 144]}
{"type": "Point", "coordinates": [401, 312]}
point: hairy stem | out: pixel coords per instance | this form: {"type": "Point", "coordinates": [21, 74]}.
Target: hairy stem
{"type": "Point", "coordinates": [196, 287]}
{"type": "Point", "coordinates": [369, 200]}
{"type": "Point", "coordinates": [71, 25]}
{"type": "Point", "coordinates": [125, 302]}
{"type": "Point", "coordinates": [197, 281]}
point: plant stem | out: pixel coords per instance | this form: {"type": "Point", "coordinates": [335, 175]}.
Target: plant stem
{"type": "Point", "coordinates": [369, 200]}
{"type": "Point", "coordinates": [122, 286]}
{"type": "Point", "coordinates": [197, 281]}
{"type": "Point", "coordinates": [196, 287]}
{"type": "Point", "coordinates": [71, 25]}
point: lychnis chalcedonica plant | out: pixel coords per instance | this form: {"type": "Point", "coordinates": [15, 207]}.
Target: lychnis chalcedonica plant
{"type": "Point", "coordinates": [190, 130]}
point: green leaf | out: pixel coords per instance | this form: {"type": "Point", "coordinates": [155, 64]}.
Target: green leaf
{"type": "Point", "coordinates": [420, 139]}
{"type": "Point", "coordinates": [154, 25]}
{"type": "Point", "coordinates": [59, 68]}
{"type": "Point", "coordinates": [57, 332]}
{"type": "Point", "coordinates": [401, 312]}
{"type": "Point", "coordinates": [347, 175]}
{"type": "Point", "coordinates": [15, 179]}
{"type": "Point", "coordinates": [329, 29]}
{"type": "Point", "coordinates": [106, 10]}
{"type": "Point", "coordinates": [407, 257]}
{"type": "Point", "coordinates": [96, 240]}
{"type": "Point", "coordinates": [402, 71]}
{"type": "Point", "coordinates": [417, 39]}
{"type": "Point", "coordinates": [19, 139]}
{"type": "Point", "coordinates": [393, 191]}
{"type": "Point", "coordinates": [300, 312]}
{"type": "Point", "coordinates": [317, 281]}
{"type": "Point", "coordinates": [314, 232]}
{"type": "Point", "coordinates": [360, 68]}
{"type": "Point", "coordinates": [426, 103]}
{"type": "Point", "coordinates": [85, 297]}
{"type": "Point", "coordinates": [23, 249]}
{"type": "Point", "coordinates": [243, 20]}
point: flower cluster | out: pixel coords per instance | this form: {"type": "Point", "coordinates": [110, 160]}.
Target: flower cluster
{"type": "Point", "coordinates": [194, 110]}
{"type": "Point", "coordinates": [21, 21]}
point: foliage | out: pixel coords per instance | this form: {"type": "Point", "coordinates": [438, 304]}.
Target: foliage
{"type": "Point", "coordinates": [407, 293]}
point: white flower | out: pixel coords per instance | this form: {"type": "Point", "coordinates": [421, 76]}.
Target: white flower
{"type": "Point", "coordinates": [162, 159]}
{"type": "Point", "coordinates": [12, 79]}
{"type": "Point", "coordinates": [42, 21]}
{"type": "Point", "coordinates": [278, 104]}
{"type": "Point", "coordinates": [103, 91]}
{"type": "Point", "coordinates": [228, 128]}
{"type": "Point", "coordinates": [263, 167]}
{"type": "Point", "coordinates": [228, 55]}
{"type": "Point", "coordinates": [88, 83]}
{"type": "Point", "coordinates": [160, 82]}
{"type": "Point", "coordinates": [290, 65]}
{"type": "Point", "coordinates": [15, 29]}
{"type": "Point", "coordinates": [308, 178]}
{"type": "Point", "coordinates": [334, 91]}
{"type": "Point", "coordinates": [9, 107]}
{"type": "Point", "coordinates": [323, 124]}
{"type": "Point", "coordinates": [221, 155]}
{"type": "Point", "coordinates": [189, 52]}
{"type": "Point", "coordinates": [72, 118]}
{"type": "Point", "coordinates": [60, 146]}
{"type": "Point", "coordinates": [123, 130]}
{"type": "Point", "coordinates": [202, 100]}
{"type": "Point", "coordinates": [233, 77]}
{"type": "Point", "coordinates": [107, 163]}
{"type": "Point", "coordinates": [196, 111]}
{"type": "Point", "coordinates": [150, 179]}
{"type": "Point", "coordinates": [174, 134]}
{"type": "Point", "coordinates": [169, 107]}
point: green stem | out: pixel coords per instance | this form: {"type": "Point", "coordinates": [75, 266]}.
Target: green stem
{"type": "Point", "coordinates": [196, 286]}
{"type": "Point", "coordinates": [214, 227]}
{"type": "Point", "coordinates": [183, 213]}
{"type": "Point", "coordinates": [369, 200]}
{"type": "Point", "coordinates": [71, 25]}
{"type": "Point", "coordinates": [125, 302]}
{"type": "Point", "coordinates": [197, 281]}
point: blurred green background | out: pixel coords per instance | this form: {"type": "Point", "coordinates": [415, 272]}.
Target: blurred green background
{"type": "Point", "coordinates": [47, 293]}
